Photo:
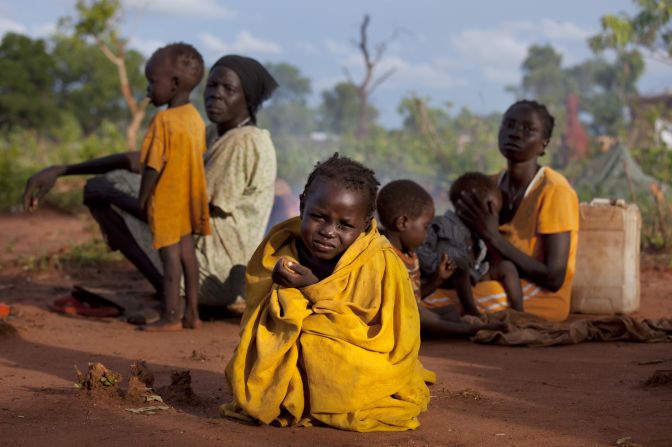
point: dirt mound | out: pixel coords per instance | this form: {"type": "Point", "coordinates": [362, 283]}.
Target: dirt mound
{"type": "Point", "coordinates": [179, 391]}
{"type": "Point", "coordinates": [101, 382]}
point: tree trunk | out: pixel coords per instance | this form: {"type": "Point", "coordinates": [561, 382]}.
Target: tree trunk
{"type": "Point", "coordinates": [137, 110]}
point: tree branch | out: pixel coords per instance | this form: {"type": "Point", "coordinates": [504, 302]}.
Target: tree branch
{"type": "Point", "coordinates": [382, 78]}
{"type": "Point", "coordinates": [108, 53]}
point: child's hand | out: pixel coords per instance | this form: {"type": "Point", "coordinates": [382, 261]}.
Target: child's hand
{"type": "Point", "coordinates": [446, 267]}
{"type": "Point", "coordinates": [289, 273]}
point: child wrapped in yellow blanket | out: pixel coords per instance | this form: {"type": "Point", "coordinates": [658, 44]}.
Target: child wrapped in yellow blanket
{"type": "Point", "coordinates": [331, 332]}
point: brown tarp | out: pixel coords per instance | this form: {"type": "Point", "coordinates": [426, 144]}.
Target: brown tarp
{"type": "Point", "coordinates": [529, 330]}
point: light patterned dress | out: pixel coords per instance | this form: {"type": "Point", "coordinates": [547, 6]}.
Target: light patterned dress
{"type": "Point", "coordinates": [240, 171]}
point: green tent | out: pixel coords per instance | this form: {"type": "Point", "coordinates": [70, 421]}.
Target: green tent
{"type": "Point", "coordinates": [615, 174]}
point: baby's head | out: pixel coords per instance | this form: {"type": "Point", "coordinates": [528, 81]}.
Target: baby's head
{"type": "Point", "coordinates": [406, 210]}
{"type": "Point", "coordinates": [484, 186]}
{"type": "Point", "coordinates": [337, 205]}
{"type": "Point", "coordinates": [175, 68]}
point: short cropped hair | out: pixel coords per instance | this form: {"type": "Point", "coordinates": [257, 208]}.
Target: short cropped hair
{"type": "Point", "coordinates": [347, 173]}
{"type": "Point", "coordinates": [186, 61]}
{"type": "Point", "coordinates": [401, 198]}
{"type": "Point", "coordinates": [482, 184]}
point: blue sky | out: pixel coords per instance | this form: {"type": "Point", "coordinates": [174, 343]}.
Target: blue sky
{"type": "Point", "coordinates": [463, 52]}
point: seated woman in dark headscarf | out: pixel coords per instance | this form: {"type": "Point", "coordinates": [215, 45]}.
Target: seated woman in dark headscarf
{"type": "Point", "coordinates": [240, 170]}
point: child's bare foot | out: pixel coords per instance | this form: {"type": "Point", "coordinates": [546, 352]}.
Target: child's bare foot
{"type": "Point", "coordinates": [163, 326]}
{"type": "Point", "coordinates": [192, 324]}
{"type": "Point", "coordinates": [191, 319]}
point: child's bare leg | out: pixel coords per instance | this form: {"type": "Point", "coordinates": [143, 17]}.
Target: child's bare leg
{"type": "Point", "coordinates": [170, 320]}
{"type": "Point", "coordinates": [189, 261]}
{"type": "Point", "coordinates": [462, 282]}
{"type": "Point", "coordinates": [507, 274]}
{"type": "Point", "coordinates": [450, 325]}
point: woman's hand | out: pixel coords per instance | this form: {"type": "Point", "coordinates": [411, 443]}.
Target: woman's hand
{"type": "Point", "coordinates": [478, 215]}
{"type": "Point", "coordinates": [288, 273]}
{"type": "Point", "coordinates": [38, 185]}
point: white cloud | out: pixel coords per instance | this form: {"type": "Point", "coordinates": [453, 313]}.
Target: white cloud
{"type": "Point", "coordinates": [336, 47]}
{"type": "Point", "coordinates": [326, 83]}
{"type": "Point", "coordinates": [656, 77]}
{"type": "Point", "coordinates": [145, 46]}
{"type": "Point", "coordinates": [307, 47]}
{"type": "Point", "coordinates": [490, 46]}
{"type": "Point", "coordinates": [556, 30]}
{"type": "Point", "coordinates": [502, 76]}
{"type": "Point", "coordinates": [8, 25]}
{"type": "Point", "coordinates": [498, 52]}
{"type": "Point", "coordinates": [244, 42]}
{"type": "Point", "coordinates": [179, 8]}
{"type": "Point", "coordinates": [416, 75]}
{"type": "Point", "coordinates": [44, 30]}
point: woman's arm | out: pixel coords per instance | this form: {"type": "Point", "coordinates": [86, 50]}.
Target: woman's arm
{"type": "Point", "coordinates": [39, 184]}
{"type": "Point", "coordinates": [549, 273]}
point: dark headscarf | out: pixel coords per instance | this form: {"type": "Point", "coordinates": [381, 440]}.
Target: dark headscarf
{"type": "Point", "coordinates": [258, 84]}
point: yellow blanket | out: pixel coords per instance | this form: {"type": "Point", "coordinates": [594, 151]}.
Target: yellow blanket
{"type": "Point", "coordinates": [343, 351]}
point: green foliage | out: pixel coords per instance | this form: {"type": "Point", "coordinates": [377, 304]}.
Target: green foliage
{"type": "Point", "coordinates": [603, 88]}
{"type": "Point", "coordinates": [23, 152]}
{"type": "Point", "coordinates": [286, 112]}
{"type": "Point", "coordinates": [414, 119]}
{"type": "Point", "coordinates": [465, 142]}
{"type": "Point", "coordinates": [650, 29]}
{"type": "Point", "coordinates": [98, 19]}
{"type": "Point", "coordinates": [93, 253]}
{"type": "Point", "coordinates": [26, 84]}
{"type": "Point", "coordinates": [340, 109]}
{"type": "Point", "coordinates": [293, 87]}
{"type": "Point", "coordinates": [289, 118]}
{"type": "Point", "coordinates": [88, 84]}
{"type": "Point", "coordinates": [47, 86]}
{"type": "Point", "coordinates": [543, 75]}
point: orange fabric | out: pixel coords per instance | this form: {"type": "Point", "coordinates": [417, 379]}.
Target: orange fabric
{"type": "Point", "coordinates": [174, 146]}
{"type": "Point", "coordinates": [413, 266]}
{"type": "Point", "coordinates": [550, 206]}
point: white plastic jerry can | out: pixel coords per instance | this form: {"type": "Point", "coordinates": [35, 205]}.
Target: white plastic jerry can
{"type": "Point", "coordinates": [606, 280]}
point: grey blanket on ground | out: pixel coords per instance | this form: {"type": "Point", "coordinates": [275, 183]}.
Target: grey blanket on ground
{"type": "Point", "coordinates": [525, 329]}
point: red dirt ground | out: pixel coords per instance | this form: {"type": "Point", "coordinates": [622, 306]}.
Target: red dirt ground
{"type": "Point", "coordinates": [583, 395]}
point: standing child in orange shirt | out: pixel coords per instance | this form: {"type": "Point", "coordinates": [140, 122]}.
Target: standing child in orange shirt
{"type": "Point", "coordinates": [173, 192]}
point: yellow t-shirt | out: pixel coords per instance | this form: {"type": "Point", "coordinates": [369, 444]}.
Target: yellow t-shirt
{"type": "Point", "coordinates": [174, 146]}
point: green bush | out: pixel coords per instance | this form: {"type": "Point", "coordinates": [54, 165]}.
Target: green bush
{"type": "Point", "coordinates": [23, 153]}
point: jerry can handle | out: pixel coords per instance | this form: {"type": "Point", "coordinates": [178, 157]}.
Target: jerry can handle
{"type": "Point", "coordinates": [609, 202]}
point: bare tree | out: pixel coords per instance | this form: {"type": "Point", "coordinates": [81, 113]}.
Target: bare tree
{"type": "Point", "coordinates": [97, 19]}
{"type": "Point", "coordinates": [370, 82]}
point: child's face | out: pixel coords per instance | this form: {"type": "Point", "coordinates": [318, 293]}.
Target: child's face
{"type": "Point", "coordinates": [161, 84]}
{"type": "Point", "coordinates": [332, 218]}
{"type": "Point", "coordinates": [521, 134]}
{"type": "Point", "coordinates": [415, 230]}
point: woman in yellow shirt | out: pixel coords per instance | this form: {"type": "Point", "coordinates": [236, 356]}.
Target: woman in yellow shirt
{"type": "Point", "coordinates": [537, 227]}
